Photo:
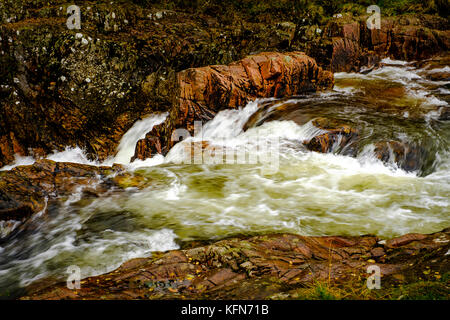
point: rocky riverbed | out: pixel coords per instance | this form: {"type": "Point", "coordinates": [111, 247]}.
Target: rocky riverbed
{"type": "Point", "coordinates": [272, 267]}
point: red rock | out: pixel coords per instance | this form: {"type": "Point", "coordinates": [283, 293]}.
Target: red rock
{"type": "Point", "coordinates": [377, 252]}
{"type": "Point", "coordinates": [204, 91]}
{"type": "Point", "coordinates": [403, 240]}
{"type": "Point", "coordinates": [25, 190]}
{"type": "Point", "coordinates": [403, 38]}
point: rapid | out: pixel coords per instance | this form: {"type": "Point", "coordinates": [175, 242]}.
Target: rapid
{"type": "Point", "coordinates": [305, 192]}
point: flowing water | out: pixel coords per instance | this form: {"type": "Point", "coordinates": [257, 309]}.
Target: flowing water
{"type": "Point", "coordinates": [305, 192]}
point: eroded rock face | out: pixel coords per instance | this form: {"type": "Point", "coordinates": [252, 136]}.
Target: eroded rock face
{"type": "Point", "coordinates": [346, 44]}
{"type": "Point", "coordinates": [202, 92]}
{"type": "Point", "coordinates": [261, 266]}
{"type": "Point", "coordinates": [155, 141]}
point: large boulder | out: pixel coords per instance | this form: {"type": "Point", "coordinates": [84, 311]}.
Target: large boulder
{"type": "Point", "coordinates": [204, 91]}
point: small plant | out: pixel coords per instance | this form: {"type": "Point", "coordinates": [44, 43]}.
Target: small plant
{"type": "Point", "coordinates": [323, 293]}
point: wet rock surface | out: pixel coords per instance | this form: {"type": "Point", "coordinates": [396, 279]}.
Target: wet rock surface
{"type": "Point", "coordinates": [407, 156]}
{"type": "Point", "coordinates": [260, 267]}
{"type": "Point", "coordinates": [259, 76]}
{"type": "Point", "coordinates": [338, 137]}
{"type": "Point", "coordinates": [202, 92]}
{"type": "Point", "coordinates": [26, 190]}
{"type": "Point", "coordinates": [155, 142]}
{"type": "Point", "coordinates": [347, 44]}
{"type": "Point", "coordinates": [86, 87]}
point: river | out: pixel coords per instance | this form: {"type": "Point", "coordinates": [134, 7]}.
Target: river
{"type": "Point", "coordinates": [306, 193]}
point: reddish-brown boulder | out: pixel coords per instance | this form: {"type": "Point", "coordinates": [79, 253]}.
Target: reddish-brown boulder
{"type": "Point", "coordinates": [407, 156]}
{"type": "Point", "coordinates": [205, 91]}
{"type": "Point", "coordinates": [23, 189]}
{"type": "Point", "coordinates": [151, 144]}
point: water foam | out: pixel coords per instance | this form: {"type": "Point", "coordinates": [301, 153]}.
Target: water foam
{"type": "Point", "coordinates": [127, 144]}
{"type": "Point", "coordinates": [19, 161]}
{"type": "Point", "coordinates": [74, 155]}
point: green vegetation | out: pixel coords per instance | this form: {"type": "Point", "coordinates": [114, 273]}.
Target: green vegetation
{"type": "Point", "coordinates": [434, 288]}
{"type": "Point", "coordinates": [288, 7]}
{"type": "Point", "coordinates": [255, 9]}
{"type": "Point", "coordinates": [317, 11]}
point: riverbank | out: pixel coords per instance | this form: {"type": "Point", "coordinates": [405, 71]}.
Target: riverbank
{"type": "Point", "coordinates": [282, 266]}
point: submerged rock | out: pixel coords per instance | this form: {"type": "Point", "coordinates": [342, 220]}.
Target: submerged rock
{"type": "Point", "coordinates": [444, 113]}
{"type": "Point", "coordinates": [338, 138]}
{"type": "Point", "coordinates": [407, 156]}
{"type": "Point", "coordinates": [264, 266]}
{"type": "Point", "coordinates": [151, 144]}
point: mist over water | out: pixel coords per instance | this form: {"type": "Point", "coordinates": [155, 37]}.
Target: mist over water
{"type": "Point", "coordinates": [310, 194]}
